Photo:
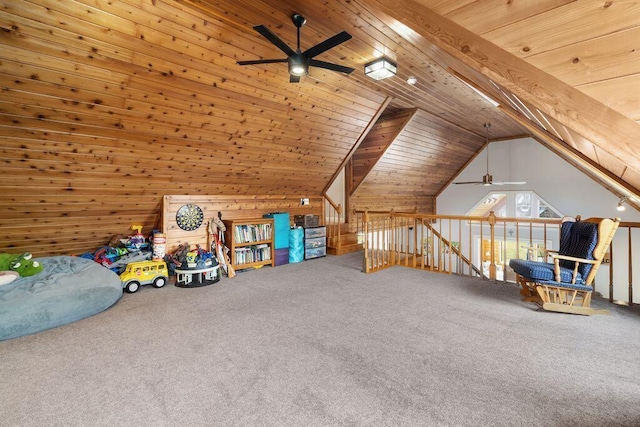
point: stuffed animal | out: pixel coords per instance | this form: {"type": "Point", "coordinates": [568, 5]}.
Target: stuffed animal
{"type": "Point", "coordinates": [22, 264]}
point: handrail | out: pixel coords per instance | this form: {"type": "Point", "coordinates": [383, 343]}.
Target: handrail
{"type": "Point", "coordinates": [455, 250]}
{"type": "Point", "coordinates": [332, 221]}
{"type": "Point", "coordinates": [333, 204]}
{"type": "Point", "coordinates": [482, 246]}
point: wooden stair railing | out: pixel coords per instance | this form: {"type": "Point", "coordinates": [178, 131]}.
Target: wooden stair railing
{"type": "Point", "coordinates": [332, 218]}
{"type": "Point", "coordinates": [414, 240]}
{"type": "Point", "coordinates": [452, 248]}
{"type": "Point", "coordinates": [421, 241]}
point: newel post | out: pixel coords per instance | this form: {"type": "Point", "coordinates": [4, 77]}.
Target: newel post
{"type": "Point", "coordinates": [492, 226]}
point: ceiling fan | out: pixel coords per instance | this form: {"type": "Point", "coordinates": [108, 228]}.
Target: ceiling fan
{"type": "Point", "coordinates": [487, 180]}
{"type": "Point", "coordinates": [299, 62]}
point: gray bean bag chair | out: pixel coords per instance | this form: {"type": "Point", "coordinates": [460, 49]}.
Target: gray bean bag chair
{"type": "Point", "coordinates": [68, 289]}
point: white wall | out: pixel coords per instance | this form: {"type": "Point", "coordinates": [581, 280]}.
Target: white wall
{"type": "Point", "coordinates": [336, 193]}
{"type": "Point", "coordinates": [561, 185]}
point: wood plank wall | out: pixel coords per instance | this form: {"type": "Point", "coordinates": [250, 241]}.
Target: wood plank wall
{"type": "Point", "coordinates": [107, 107]}
{"type": "Point", "coordinates": [373, 147]}
{"type": "Point", "coordinates": [416, 165]}
{"type": "Point", "coordinates": [364, 200]}
{"type": "Point", "coordinates": [231, 207]}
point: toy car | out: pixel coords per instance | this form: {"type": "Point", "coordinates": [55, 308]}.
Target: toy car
{"type": "Point", "coordinates": [144, 273]}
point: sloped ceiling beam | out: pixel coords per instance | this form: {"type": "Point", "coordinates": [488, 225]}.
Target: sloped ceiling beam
{"type": "Point", "coordinates": [396, 123]}
{"type": "Point", "coordinates": [357, 143]}
{"type": "Point", "coordinates": [448, 44]}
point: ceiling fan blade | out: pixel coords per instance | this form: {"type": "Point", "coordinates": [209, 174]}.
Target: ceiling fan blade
{"type": "Point", "coordinates": [267, 34]}
{"type": "Point", "coordinates": [294, 79]}
{"type": "Point", "coordinates": [508, 183]}
{"type": "Point", "coordinates": [262, 61]}
{"type": "Point", "coordinates": [330, 66]}
{"type": "Point", "coordinates": [327, 44]}
{"type": "Point", "coordinates": [469, 182]}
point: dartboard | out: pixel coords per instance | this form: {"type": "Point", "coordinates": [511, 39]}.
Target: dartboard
{"type": "Point", "coordinates": [189, 217]}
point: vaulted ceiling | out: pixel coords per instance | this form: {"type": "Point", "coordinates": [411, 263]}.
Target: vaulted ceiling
{"type": "Point", "coordinates": [569, 69]}
{"type": "Point", "coordinates": [119, 103]}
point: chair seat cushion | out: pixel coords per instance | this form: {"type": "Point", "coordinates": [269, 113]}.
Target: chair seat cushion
{"type": "Point", "coordinates": [538, 271]}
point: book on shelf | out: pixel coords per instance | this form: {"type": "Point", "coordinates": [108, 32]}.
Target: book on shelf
{"type": "Point", "coordinates": [252, 233]}
{"type": "Point", "coordinates": [251, 254]}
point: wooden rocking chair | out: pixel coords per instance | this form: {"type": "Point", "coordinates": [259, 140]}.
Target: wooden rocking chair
{"type": "Point", "coordinates": [565, 285]}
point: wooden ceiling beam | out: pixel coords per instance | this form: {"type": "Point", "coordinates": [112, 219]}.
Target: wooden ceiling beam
{"type": "Point", "coordinates": [448, 43]}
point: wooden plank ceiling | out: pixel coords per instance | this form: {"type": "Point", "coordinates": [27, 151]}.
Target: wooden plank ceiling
{"type": "Point", "coordinates": [107, 106]}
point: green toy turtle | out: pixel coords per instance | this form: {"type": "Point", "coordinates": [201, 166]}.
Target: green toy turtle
{"type": "Point", "coordinates": [23, 264]}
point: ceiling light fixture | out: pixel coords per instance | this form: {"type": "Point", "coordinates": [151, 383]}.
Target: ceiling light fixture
{"type": "Point", "coordinates": [298, 65]}
{"type": "Point", "coordinates": [621, 203]}
{"type": "Point", "coordinates": [412, 80]}
{"type": "Point", "coordinates": [380, 68]}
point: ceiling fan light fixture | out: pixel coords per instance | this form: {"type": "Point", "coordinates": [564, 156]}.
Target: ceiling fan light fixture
{"type": "Point", "coordinates": [380, 68]}
{"type": "Point", "coordinates": [298, 66]}
{"type": "Point", "coordinates": [621, 207]}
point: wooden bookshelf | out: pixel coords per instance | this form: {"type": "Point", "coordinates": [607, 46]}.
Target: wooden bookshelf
{"type": "Point", "coordinates": [250, 242]}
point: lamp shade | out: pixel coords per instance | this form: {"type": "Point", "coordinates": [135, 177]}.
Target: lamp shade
{"type": "Point", "coordinates": [380, 68]}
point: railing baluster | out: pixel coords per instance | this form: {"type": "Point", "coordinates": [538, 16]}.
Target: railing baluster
{"type": "Point", "coordinates": [470, 247]}
{"type": "Point", "coordinates": [611, 272]}
{"type": "Point", "coordinates": [630, 268]}
{"type": "Point", "coordinates": [492, 231]}
{"type": "Point", "coordinates": [504, 251]}
{"type": "Point", "coordinates": [459, 266]}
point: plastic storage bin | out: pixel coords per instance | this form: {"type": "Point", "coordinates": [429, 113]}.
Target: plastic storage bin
{"type": "Point", "coordinates": [310, 233]}
{"type": "Point", "coordinates": [315, 242]}
{"type": "Point", "coordinates": [315, 252]}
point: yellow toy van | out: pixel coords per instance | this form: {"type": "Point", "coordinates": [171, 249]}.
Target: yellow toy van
{"type": "Point", "coordinates": [144, 273]}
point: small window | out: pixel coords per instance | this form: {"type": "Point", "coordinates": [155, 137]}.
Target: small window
{"type": "Point", "coordinates": [515, 204]}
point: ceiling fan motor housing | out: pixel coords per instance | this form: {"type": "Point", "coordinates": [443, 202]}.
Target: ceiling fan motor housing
{"type": "Point", "coordinates": [298, 20]}
{"type": "Point", "coordinates": [487, 180]}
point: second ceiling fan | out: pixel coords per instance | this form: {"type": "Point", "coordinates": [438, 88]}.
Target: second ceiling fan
{"type": "Point", "coordinates": [299, 62]}
{"type": "Point", "coordinates": [487, 179]}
